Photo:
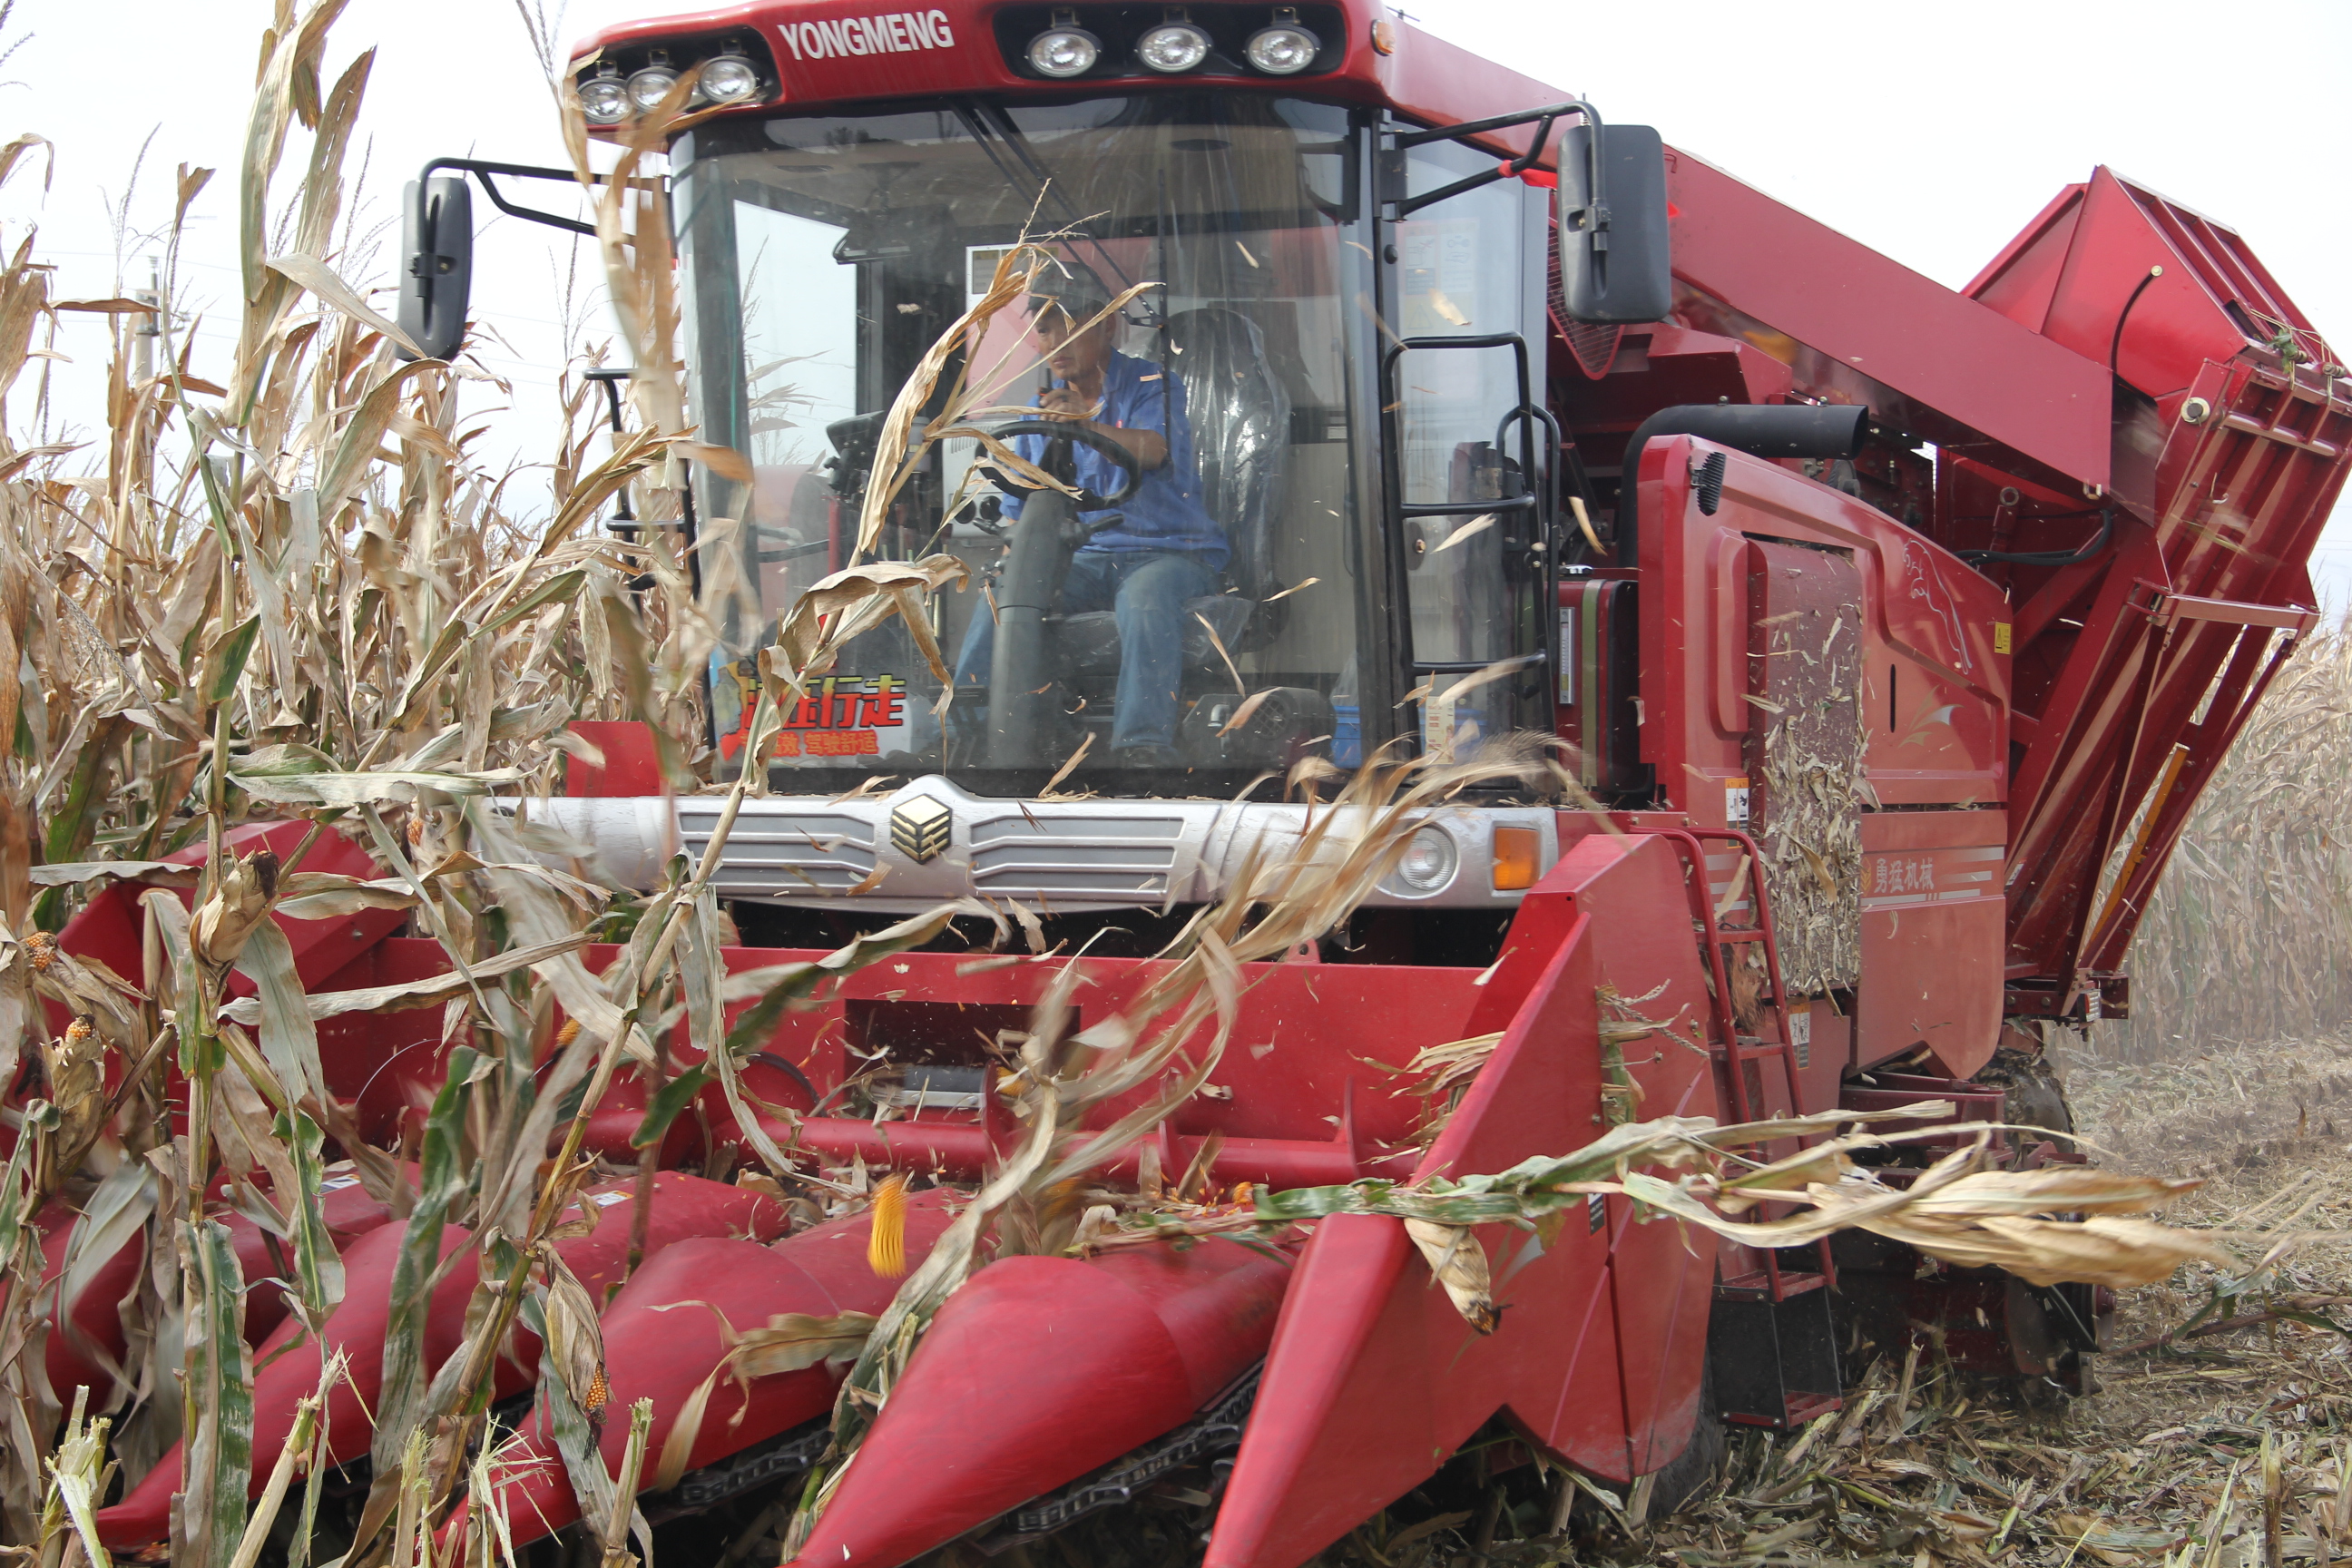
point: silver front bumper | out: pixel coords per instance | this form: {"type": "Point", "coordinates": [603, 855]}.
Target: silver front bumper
{"type": "Point", "coordinates": [1049, 855]}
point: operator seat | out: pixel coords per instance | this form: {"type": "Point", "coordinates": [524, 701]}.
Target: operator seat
{"type": "Point", "coordinates": [1240, 417]}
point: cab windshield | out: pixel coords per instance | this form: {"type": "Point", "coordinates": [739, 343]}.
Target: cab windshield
{"type": "Point", "coordinates": [1193, 616]}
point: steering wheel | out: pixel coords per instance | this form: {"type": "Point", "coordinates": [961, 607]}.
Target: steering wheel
{"type": "Point", "coordinates": [1131, 471]}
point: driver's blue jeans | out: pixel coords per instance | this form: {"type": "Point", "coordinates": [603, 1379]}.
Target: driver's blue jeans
{"type": "Point", "coordinates": [1147, 590]}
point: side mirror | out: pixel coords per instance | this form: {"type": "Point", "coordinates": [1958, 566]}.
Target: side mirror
{"type": "Point", "coordinates": [436, 239]}
{"type": "Point", "coordinates": [1614, 261]}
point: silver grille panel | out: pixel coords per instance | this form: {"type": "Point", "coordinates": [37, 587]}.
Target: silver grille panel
{"type": "Point", "coordinates": [1047, 857]}
{"type": "Point", "coordinates": [1058, 855]}
{"type": "Point", "coordinates": [767, 853]}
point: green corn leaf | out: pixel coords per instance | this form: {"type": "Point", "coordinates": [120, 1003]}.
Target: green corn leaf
{"type": "Point", "coordinates": [289, 1035]}
{"type": "Point", "coordinates": [562, 585]}
{"type": "Point", "coordinates": [12, 1199]}
{"type": "Point", "coordinates": [318, 1267]}
{"type": "Point", "coordinates": [672, 1098]}
{"type": "Point", "coordinates": [229, 655]}
{"type": "Point", "coordinates": [441, 1182]}
{"type": "Point", "coordinates": [219, 1454]}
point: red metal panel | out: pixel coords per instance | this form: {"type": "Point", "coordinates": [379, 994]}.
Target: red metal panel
{"type": "Point", "coordinates": [1661, 1274]}
{"type": "Point", "coordinates": [2124, 272]}
{"type": "Point", "coordinates": [1303, 1099]}
{"type": "Point", "coordinates": [2020, 281]}
{"type": "Point", "coordinates": [1431, 79]}
{"type": "Point", "coordinates": [1927, 360]}
{"type": "Point", "coordinates": [1930, 642]}
{"type": "Point", "coordinates": [632, 765]}
{"type": "Point", "coordinates": [1933, 910]}
{"type": "Point", "coordinates": [1373, 1379]}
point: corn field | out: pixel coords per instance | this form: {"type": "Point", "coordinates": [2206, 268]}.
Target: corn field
{"type": "Point", "coordinates": [2247, 936]}
{"type": "Point", "coordinates": [284, 593]}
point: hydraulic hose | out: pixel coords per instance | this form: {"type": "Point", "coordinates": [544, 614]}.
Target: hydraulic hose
{"type": "Point", "coordinates": [1759, 429]}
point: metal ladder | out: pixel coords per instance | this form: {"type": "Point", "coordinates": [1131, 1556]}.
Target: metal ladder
{"type": "Point", "coordinates": [1736, 1050]}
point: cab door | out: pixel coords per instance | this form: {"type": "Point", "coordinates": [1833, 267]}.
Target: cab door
{"type": "Point", "coordinates": [1469, 450]}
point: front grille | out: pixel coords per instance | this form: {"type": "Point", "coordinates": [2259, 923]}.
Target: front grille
{"type": "Point", "coordinates": [1047, 857]}
{"type": "Point", "coordinates": [782, 855]}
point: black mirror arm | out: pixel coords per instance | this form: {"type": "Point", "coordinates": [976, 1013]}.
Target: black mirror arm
{"type": "Point", "coordinates": [483, 171]}
{"type": "Point", "coordinates": [1511, 169]}
{"type": "Point", "coordinates": [610, 379]}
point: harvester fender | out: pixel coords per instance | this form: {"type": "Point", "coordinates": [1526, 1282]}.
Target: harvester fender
{"type": "Point", "coordinates": [288, 1363]}
{"type": "Point", "coordinates": [662, 1341]}
{"type": "Point", "coordinates": [1374, 1379]}
{"type": "Point", "coordinates": [86, 1332]}
{"type": "Point", "coordinates": [1038, 1370]}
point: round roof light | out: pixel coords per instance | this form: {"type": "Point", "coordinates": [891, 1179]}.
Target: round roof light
{"type": "Point", "coordinates": [730, 78]}
{"type": "Point", "coordinates": [1283, 50]}
{"type": "Point", "coordinates": [650, 86]}
{"type": "Point", "coordinates": [1173, 47]}
{"type": "Point", "coordinates": [604, 99]}
{"type": "Point", "coordinates": [1065, 51]}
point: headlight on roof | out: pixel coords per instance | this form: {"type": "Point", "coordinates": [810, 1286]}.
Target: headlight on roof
{"type": "Point", "coordinates": [1064, 49]}
{"type": "Point", "coordinates": [730, 78]}
{"type": "Point", "coordinates": [651, 85]}
{"type": "Point", "coordinates": [1173, 47]}
{"type": "Point", "coordinates": [1284, 49]}
{"type": "Point", "coordinates": [604, 97]}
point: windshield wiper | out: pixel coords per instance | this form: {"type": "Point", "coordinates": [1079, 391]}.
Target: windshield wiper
{"type": "Point", "coordinates": [989, 124]}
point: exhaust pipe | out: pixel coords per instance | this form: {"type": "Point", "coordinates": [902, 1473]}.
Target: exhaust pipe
{"type": "Point", "coordinates": [1759, 429]}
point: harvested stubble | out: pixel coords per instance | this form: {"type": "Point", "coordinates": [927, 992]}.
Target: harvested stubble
{"type": "Point", "coordinates": [287, 593]}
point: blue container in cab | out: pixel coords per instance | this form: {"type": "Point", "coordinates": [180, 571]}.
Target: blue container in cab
{"type": "Point", "coordinates": [1347, 735]}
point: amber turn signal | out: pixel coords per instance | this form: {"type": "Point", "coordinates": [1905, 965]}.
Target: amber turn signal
{"type": "Point", "coordinates": [1516, 857]}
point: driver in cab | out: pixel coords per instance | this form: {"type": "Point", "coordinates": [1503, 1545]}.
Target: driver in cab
{"type": "Point", "coordinates": [1142, 558]}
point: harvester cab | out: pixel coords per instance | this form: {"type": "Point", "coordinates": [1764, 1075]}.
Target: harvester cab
{"type": "Point", "coordinates": [1293, 390]}
{"type": "Point", "coordinates": [1313, 468]}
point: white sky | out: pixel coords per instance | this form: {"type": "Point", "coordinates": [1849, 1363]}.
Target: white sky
{"type": "Point", "coordinates": [1932, 133]}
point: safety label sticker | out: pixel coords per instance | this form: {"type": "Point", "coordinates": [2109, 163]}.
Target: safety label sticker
{"type": "Point", "coordinates": [840, 716]}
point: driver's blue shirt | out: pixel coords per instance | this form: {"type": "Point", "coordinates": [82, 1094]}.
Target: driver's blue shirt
{"type": "Point", "coordinates": [1165, 511]}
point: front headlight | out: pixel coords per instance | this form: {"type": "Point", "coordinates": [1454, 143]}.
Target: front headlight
{"type": "Point", "coordinates": [1429, 862]}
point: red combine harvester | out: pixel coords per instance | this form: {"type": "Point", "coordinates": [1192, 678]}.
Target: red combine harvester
{"type": "Point", "coordinates": [1893, 633]}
